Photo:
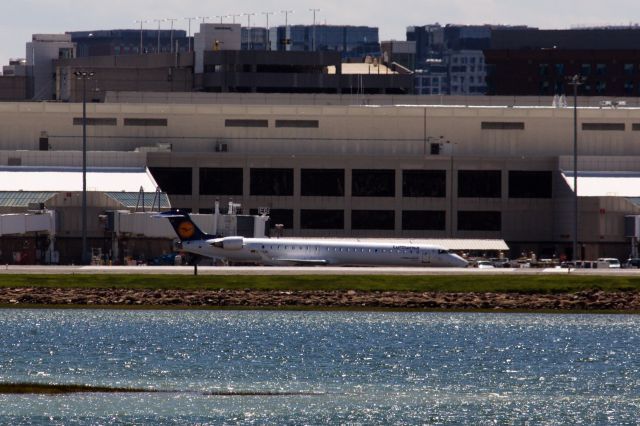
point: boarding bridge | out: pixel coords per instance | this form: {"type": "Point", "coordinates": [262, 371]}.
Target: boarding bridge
{"type": "Point", "coordinates": [23, 223]}
{"type": "Point", "coordinates": [125, 224]}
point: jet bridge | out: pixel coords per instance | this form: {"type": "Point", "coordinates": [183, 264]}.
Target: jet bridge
{"type": "Point", "coordinates": [23, 223]}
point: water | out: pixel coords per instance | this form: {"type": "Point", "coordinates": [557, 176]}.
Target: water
{"type": "Point", "coordinates": [316, 367]}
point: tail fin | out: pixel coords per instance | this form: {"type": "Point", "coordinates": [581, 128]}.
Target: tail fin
{"type": "Point", "coordinates": [184, 227]}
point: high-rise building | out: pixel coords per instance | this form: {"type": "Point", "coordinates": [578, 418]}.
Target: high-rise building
{"type": "Point", "coordinates": [538, 62]}
{"type": "Point", "coordinates": [128, 42]}
{"type": "Point", "coordinates": [449, 59]}
{"type": "Point", "coordinates": [350, 41]}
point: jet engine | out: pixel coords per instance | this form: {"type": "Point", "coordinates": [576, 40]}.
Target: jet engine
{"type": "Point", "coordinates": [229, 243]}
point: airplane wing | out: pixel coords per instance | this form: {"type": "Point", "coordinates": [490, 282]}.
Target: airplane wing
{"type": "Point", "coordinates": [301, 262]}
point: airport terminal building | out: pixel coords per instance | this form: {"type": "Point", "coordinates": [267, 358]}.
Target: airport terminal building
{"type": "Point", "coordinates": [361, 166]}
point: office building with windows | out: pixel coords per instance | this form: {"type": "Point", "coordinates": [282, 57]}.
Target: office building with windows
{"type": "Point", "coordinates": [531, 62]}
{"type": "Point", "coordinates": [350, 41]}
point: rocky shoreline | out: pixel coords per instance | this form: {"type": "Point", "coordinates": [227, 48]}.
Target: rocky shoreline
{"type": "Point", "coordinates": [582, 301]}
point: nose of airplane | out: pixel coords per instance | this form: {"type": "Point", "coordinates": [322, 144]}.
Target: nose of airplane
{"type": "Point", "coordinates": [461, 263]}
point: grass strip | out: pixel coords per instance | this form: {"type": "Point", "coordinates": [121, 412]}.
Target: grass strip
{"type": "Point", "coordinates": [523, 284]}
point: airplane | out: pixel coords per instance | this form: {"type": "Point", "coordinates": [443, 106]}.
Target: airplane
{"type": "Point", "coordinates": [306, 252]}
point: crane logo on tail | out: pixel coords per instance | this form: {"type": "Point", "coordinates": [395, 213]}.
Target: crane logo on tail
{"type": "Point", "coordinates": [186, 230]}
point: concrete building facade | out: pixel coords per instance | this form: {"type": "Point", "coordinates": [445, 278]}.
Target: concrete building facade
{"type": "Point", "coordinates": [418, 171]}
{"type": "Point", "coordinates": [41, 51]}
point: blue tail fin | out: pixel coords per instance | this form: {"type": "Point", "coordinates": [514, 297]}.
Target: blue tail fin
{"type": "Point", "coordinates": [184, 227]}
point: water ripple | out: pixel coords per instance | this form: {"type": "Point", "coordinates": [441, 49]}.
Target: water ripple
{"type": "Point", "coordinates": [316, 367]}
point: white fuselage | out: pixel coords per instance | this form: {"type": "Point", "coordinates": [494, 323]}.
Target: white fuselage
{"type": "Point", "coordinates": [271, 251]}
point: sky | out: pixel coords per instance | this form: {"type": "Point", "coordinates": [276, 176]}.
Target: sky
{"type": "Point", "coordinates": [19, 19]}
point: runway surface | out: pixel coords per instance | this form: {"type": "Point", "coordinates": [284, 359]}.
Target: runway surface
{"type": "Point", "coordinates": [315, 270]}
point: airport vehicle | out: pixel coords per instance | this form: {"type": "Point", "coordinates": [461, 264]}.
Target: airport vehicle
{"type": "Point", "coordinates": [287, 251]}
{"type": "Point", "coordinates": [484, 264]}
{"type": "Point", "coordinates": [633, 262]}
{"type": "Point", "coordinates": [611, 261]}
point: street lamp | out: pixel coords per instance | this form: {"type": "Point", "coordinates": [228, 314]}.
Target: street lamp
{"type": "Point", "coordinates": [267, 42]}
{"type": "Point", "coordinates": [141, 22]}
{"type": "Point", "coordinates": [249, 15]}
{"type": "Point", "coordinates": [158, 21]}
{"type": "Point", "coordinates": [313, 43]}
{"type": "Point", "coordinates": [286, 27]}
{"type": "Point", "coordinates": [451, 146]}
{"type": "Point", "coordinates": [189, 37]}
{"type": "Point", "coordinates": [172, 20]}
{"type": "Point", "coordinates": [575, 81]}
{"type": "Point", "coordinates": [84, 76]}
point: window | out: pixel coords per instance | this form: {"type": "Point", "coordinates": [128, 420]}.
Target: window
{"type": "Point", "coordinates": [559, 70]}
{"type": "Point", "coordinates": [585, 69]}
{"type": "Point", "coordinates": [278, 182]}
{"type": "Point", "coordinates": [146, 122]}
{"type": "Point", "coordinates": [321, 219]}
{"type": "Point", "coordinates": [479, 221]}
{"type": "Point", "coordinates": [601, 87]}
{"type": "Point", "coordinates": [220, 181]}
{"type": "Point", "coordinates": [246, 123]}
{"type": "Point", "coordinates": [628, 88]}
{"type": "Point", "coordinates": [423, 220]}
{"type": "Point", "coordinates": [173, 180]}
{"type": "Point", "coordinates": [96, 121]}
{"type": "Point", "coordinates": [502, 125]}
{"type": "Point", "coordinates": [603, 127]}
{"type": "Point", "coordinates": [479, 183]}
{"type": "Point", "coordinates": [543, 70]}
{"type": "Point", "coordinates": [629, 69]}
{"type": "Point", "coordinates": [530, 184]}
{"type": "Point", "coordinates": [544, 87]}
{"type": "Point", "coordinates": [601, 69]}
{"type": "Point", "coordinates": [298, 123]}
{"type": "Point", "coordinates": [372, 219]}
{"type": "Point", "coordinates": [424, 183]}
{"type": "Point", "coordinates": [322, 182]}
{"type": "Point", "coordinates": [373, 183]}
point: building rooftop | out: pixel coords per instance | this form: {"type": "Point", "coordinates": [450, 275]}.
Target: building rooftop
{"type": "Point", "coordinates": [58, 179]}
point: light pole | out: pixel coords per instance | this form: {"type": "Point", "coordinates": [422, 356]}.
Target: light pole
{"type": "Point", "coordinates": [313, 42]}
{"type": "Point", "coordinates": [286, 27]}
{"type": "Point", "coordinates": [221, 17]}
{"type": "Point", "coordinates": [158, 21]}
{"type": "Point", "coordinates": [249, 15]}
{"type": "Point", "coordinates": [233, 17]}
{"type": "Point", "coordinates": [141, 22]}
{"type": "Point", "coordinates": [451, 190]}
{"type": "Point", "coordinates": [189, 37]}
{"type": "Point", "coordinates": [575, 81]}
{"type": "Point", "coordinates": [267, 41]}
{"type": "Point", "coordinates": [204, 18]}
{"type": "Point", "coordinates": [84, 76]}
{"type": "Point", "coordinates": [172, 20]}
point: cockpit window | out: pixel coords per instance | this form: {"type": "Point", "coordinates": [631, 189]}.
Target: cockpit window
{"type": "Point", "coordinates": [443, 251]}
